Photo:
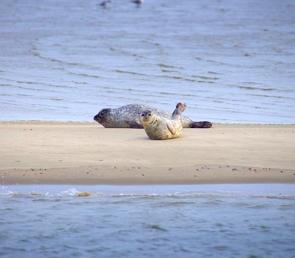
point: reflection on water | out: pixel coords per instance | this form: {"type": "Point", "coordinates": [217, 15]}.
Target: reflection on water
{"type": "Point", "coordinates": [229, 62]}
{"type": "Point", "coordinates": [148, 221]}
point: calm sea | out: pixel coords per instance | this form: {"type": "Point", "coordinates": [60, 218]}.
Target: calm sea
{"type": "Point", "coordinates": [230, 61]}
{"type": "Point", "coordinates": [148, 221]}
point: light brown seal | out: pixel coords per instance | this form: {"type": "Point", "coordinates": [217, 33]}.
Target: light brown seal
{"type": "Point", "coordinates": [161, 128]}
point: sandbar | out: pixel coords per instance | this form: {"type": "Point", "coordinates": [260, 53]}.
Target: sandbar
{"type": "Point", "coordinates": [37, 152]}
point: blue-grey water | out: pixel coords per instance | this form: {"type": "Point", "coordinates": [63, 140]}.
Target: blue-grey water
{"type": "Point", "coordinates": [148, 221]}
{"type": "Point", "coordinates": [230, 61]}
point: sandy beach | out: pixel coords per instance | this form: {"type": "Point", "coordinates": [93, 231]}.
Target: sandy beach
{"type": "Point", "coordinates": [85, 153]}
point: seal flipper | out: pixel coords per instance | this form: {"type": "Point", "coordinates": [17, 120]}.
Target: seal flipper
{"type": "Point", "coordinates": [201, 124]}
{"type": "Point", "coordinates": [171, 128]}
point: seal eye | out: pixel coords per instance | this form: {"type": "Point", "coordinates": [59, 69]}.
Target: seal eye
{"type": "Point", "coordinates": [150, 114]}
{"type": "Point", "coordinates": [142, 114]}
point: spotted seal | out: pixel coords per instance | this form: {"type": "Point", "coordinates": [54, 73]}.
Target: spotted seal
{"type": "Point", "coordinates": [128, 116]}
{"type": "Point", "coordinates": [161, 128]}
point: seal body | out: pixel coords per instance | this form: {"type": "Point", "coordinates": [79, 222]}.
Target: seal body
{"type": "Point", "coordinates": [161, 128]}
{"type": "Point", "coordinates": [128, 116]}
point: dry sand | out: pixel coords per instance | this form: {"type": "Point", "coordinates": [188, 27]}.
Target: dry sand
{"type": "Point", "coordinates": [84, 153]}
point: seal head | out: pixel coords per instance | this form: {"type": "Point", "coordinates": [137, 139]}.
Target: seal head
{"type": "Point", "coordinates": [161, 128]}
{"type": "Point", "coordinates": [102, 116]}
{"type": "Point", "coordinates": [147, 117]}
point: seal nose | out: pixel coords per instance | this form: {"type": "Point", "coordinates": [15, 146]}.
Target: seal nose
{"type": "Point", "coordinates": [95, 118]}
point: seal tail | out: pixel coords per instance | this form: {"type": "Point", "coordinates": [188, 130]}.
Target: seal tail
{"type": "Point", "coordinates": [201, 124]}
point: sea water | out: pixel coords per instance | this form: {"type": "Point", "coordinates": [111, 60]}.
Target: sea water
{"type": "Point", "coordinates": [148, 221]}
{"type": "Point", "coordinates": [230, 61]}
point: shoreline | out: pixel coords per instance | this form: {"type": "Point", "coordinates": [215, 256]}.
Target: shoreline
{"type": "Point", "coordinates": [48, 152]}
{"type": "Point", "coordinates": [225, 190]}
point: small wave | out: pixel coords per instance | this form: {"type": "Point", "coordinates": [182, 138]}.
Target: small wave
{"type": "Point", "coordinates": [172, 193]}
{"type": "Point", "coordinates": [32, 83]}
{"type": "Point", "coordinates": [156, 227]}
{"type": "Point", "coordinates": [130, 72]}
{"type": "Point", "coordinates": [84, 75]}
{"type": "Point", "coordinates": [277, 197]}
{"type": "Point", "coordinates": [205, 77]}
{"type": "Point", "coordinates": [271, 96]}
{"type": "Point", "coordinates": [55, 60]}
{"type": "Point", "coordinates": [173, 204]}
{"type": "Point", "coordinates": [169, 66]}
{"type": "Point", "coordinates": [258, 206]}
{"type": "Point", "coordinates": [72, 192]}
{"type": "Point", "coordinates": [287, 207]}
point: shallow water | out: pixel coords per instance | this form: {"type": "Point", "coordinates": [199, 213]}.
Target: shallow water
{"type": "Point", "coordinates": [229, 61]}
{"type": "Point", "coordinates": [148, 221]}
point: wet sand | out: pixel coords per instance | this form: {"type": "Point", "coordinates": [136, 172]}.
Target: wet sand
{"type": "Point", "coordinates": [84, 153]}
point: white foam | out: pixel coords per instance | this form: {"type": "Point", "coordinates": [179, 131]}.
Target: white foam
{"type": "Point", "coordinates": [225, 190]}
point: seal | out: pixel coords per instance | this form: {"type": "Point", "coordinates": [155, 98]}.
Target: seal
{"type": "Point", "coordinates": [128, 116]}
{"type": "Point", "coordinates": [105, 3]}
{"type": "Point", "coordinates": [161, 128]}
{"type": "Point", "coordinates": [137, 2]}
